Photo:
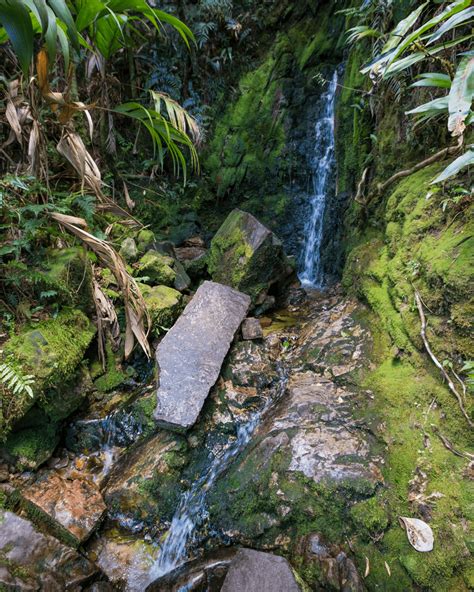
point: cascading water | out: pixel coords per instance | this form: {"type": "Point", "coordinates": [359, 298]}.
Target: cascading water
{"type": "Point", "coordinates": [191, 511]}
{"type": "Point", "coordinates": [322, 164]}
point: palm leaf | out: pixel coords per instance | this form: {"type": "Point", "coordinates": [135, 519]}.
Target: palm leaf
{"type": "Point", "coordinates": [16, 20]}
{"type": "Point", "coordinates": [433, 79]}
{"type": "Point", "coordinates": [460, 96]}
{"type": "Point", "coordinates": [451, 23]}
{"type": "Point", "coordinates": [456, 166]}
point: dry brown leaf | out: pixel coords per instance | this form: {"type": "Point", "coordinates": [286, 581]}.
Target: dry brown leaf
{"type": "Point", "coordinates": [367, 567]}
{"type": "Point", "coordinates": [136, 313]}
{"type": "Point", "coordinates": [128, 200]}
{"type": "Point", "coordinates": [387, 567]}
{"type": "Point", "coordinates": [107, 321]}
{"type": "Point", "coordinates": [418, 532]}
{"type": "Point", "coordinates": [13, 120]}
{"type": "Point", "coordinates": [73, 149]}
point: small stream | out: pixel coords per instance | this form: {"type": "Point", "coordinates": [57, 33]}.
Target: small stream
{"type": "Point", "coordinates": [322, 165]}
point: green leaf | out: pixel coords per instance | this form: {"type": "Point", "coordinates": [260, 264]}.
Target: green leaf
{"type": "Point", "coordinates": [108, 35]}
{"type": "Point", "coordinates": [38, 8]}
{"type": "Point", "coordinates": [51, 35]}
{"type": "Point", "coordinates": [456, 166]}
{"type": "Point", "coordinates": [460, 96]}
{"type": "Point", "coordinates": [17, 22]}
{"type": "Point", "coordinates": [433, 79]}
{"type": "Point", "coordinates": [440, 104]}
{"type": "Point", "coordinates": [451, 23]}
{"type": "Point", "coordinates": [89, 11]}
{"type": "Point", "coordinates": [450, 10]}
{"type": "Point", "coordinates": [185, 32]}
{"type": "Point", "coordinates": [64, 14]}
{"type": "Point", "coordinates": [64, 43]}
{"type": "Point", "coordinates": [402, 29]}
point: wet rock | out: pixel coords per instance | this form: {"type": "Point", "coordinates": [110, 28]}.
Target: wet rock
{"type": "Point", "coordinates": [144, 487]}
{"type": "Point", "coordinates": [251, 329]}
{"type": "Point", "coordinates": [192, 249]}
{"type": "Point", "coordinates": [253, 571]}
{"type": "Point", "coordinates": [126, 560]}
{"type": "Point", "coordinates": [164, 305]}
{"type": "Point", "coordinates": [30, 560]}
{"type": "Point", "coordinates": [128, 249]}
{"type": "Point", "coordinates": [249, 365]}
{"type": "Point", "coordinates": [207, 573]}
{"type": "Point", "coordinates": [246, 255]}
{"type": "Point", "coordinates": [73, 507]}
{"type": "Point", "coordinates": [190, 356]}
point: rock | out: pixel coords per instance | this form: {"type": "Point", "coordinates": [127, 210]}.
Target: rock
{"type": "Point", "coordinates": [254, 571]}
{"type": "Point", "coordinates": [251, 329]}
{"type": "Point", "coordinates": [51, 352]}
{"type": "Point", "coordinates": [197, 268]}
{"type": "Point", "coordinates": [182, 280]}
{"type": "Point", "coordinates": [75, 507]}
{"type": "Point", "coordinates": [249, 365]}
{"type": "Point", "coordinates": [30, 560]}
{"type": "Point", "coordinates": [125, 560]}
{"type": "Point", "coordinates": [29, 448]}
{"type": "Point", "coordinates": [192, 249]}
{"type": "Point", "coordinates": [164, 305]}
{"type": "Point", "coordinates": [157, 268]}
{"type": "Point", "coordinates": [143, 488]}
{"type": "Point", "coordinates": [145, 240]}
{"type": "Point", "coordinates": [246, 255]}
{"type": "Point", "coordinates": [128, 250]}
{"type": "Point", "coordinates": [206, 573]}
{"type": "Point", "coordinates": [190, 356]}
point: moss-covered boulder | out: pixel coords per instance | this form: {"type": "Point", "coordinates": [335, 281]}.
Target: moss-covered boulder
{"type": "Point", "coordinates": [68, 277]}
{"type": "Point", "coordinates": [156, 269]}
{"type": "Point", "coordinates": [164, 305]}
{"type": "Point", "coordinates": [246, 255]}
{"type": "Point", "coordinates": [50, 352]}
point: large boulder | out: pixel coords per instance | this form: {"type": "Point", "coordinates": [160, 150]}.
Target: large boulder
{"type": "Point", "coordinates": [73, 508]}
{"type": "Point", "coordinates": [246, 255]}
{"type": "Point", "coordinates": [253, 571]}
{"type": "Point", "coordinates": [190, 356]}
{"type": "Point", "coordinates": [51, 352]}
{"type": "Point", "coordinates": [30, 560]}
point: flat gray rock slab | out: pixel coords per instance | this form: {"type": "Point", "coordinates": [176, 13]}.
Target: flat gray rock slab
{"type": "Point", "coordinates": [253, 571]}
{"type": "Point", "coordinates": [191, 354]}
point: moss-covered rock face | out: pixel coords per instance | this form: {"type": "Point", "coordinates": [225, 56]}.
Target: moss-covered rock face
{"type": "Point", "coordinates": [419, 245]}
{"type": "Point", "coordinates": [247, 256]}
{"type": "Point", "coordinates": [51, 353]}
{"type": "Point", "coordinates": [164, 305]}
{"type": "Point", "coordinates": [156, 269]}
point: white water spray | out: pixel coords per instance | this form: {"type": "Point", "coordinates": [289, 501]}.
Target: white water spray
{"type": "Point", "coordinates": [322, 165]}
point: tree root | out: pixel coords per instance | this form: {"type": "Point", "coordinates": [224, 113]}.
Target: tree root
{"type": "Point", "coordinates": [447, 444]}
{"type": "Point", "coordinates": [435, 360]}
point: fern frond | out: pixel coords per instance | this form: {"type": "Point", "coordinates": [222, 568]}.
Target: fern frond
{"type": "Point", "coordinates": [16, 382]}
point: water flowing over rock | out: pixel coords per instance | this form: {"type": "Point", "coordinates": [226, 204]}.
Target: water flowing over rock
{"type": "Point", "coordinates": [254, 571]}
{"type": "Point", "coordinates": [75, 507]}
{"type": "Point", "coordinates": [191, 355]}
{"type": "Point", "coordinates": [246, 255]}
{"type": "Point", "coordinates": [322, 165]}
{"type": "Point", "coordinates": [30, 560]}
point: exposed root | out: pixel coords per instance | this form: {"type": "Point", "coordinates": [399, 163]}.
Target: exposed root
{"type": "Point", "coordinates": [435, 360]}
{"type": "Point", "coordinates": [447, 444]}
{"type": "Point", "coordinates": [421, 165]}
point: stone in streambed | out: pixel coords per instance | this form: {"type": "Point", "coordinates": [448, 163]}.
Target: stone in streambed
{"type": "Point", "coordinates": [191, 354]}
{"type": "Point", "coordinates": [164, 305]}
{"type": "Point", "coordinates": [246, 255]}
{"type": "Point", "coordinates": [251, 329]}
{"type": "Point", "coordinates": [72, 508]}
{"type": "Point", "coordinates": [30, 560]}
{"type": "Point", "coordinates": [254, 571]}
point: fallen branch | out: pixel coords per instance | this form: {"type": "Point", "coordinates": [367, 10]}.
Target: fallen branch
{"type": "Point", "coordinates": [435, 360]}
{"type": "Point", "coordinates": [447, 444]}
{"type": "Point", "coordinates": [421, 165]}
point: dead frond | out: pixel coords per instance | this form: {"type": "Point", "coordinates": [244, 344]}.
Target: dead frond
{"type": "Point", "coordinates": [136, 314]}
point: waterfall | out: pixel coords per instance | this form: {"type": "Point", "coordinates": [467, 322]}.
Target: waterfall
{"type": "Point", "coordinates": [322, 165]}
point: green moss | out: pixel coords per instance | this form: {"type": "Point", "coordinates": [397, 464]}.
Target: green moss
{"type": "Point", "coordinates": [164, 305]}
{"type": "Point", "coordinates": [157, 268]}
{"type": "Point", "coordinates": [369, 516]}
{"type": "Point", "coordinates": [31, 447]}
{"type": "Point", "coordinates": [113, 377]}
{"type": "Point", "coordinates": [145, 240]}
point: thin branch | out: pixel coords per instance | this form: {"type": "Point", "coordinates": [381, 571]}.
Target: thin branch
{"type": "Point", "coordinates": [435, 360]}
{"type": "Point", "coordinates": [447, 444]}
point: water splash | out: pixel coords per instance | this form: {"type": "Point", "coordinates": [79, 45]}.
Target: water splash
{"type": "Point", "coordinates": [322, 165]}
{"type": "Point", "coordinates": [191, 511]}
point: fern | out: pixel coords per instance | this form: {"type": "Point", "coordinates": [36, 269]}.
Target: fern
{"type": "Point", "coordinates": [15, 382]}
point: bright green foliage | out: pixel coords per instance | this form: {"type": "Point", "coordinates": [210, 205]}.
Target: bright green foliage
{"type": "Point", "coordinates": [16, 382]}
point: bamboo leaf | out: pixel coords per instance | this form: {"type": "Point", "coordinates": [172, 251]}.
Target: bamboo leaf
{"type": "Point", "coordinates": [451, 23]}
{"type": "Point", "coordinates": [463, 161]}
{"type": "Point", "coordinates": [433, 79]}
{"type": "Point", "coordinates": [461, 95]}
